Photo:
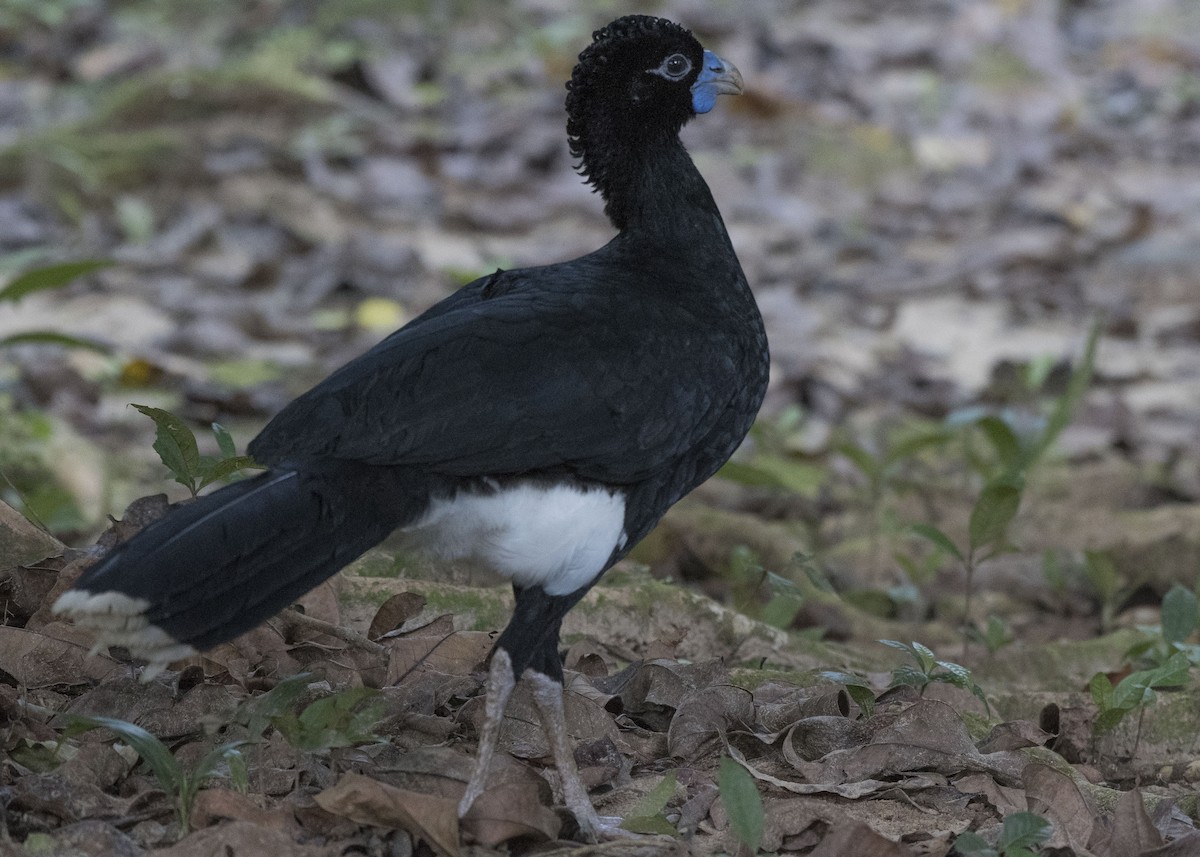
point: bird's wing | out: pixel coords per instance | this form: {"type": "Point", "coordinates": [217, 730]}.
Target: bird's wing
{"type": "Point", "coordinates": [524, 380]}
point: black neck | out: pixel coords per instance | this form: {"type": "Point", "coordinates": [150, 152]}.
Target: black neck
{"type": "Point", "coordinates": [655, 187]}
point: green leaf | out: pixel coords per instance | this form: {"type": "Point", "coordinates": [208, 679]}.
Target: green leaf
{"type": "Point", "coordinates": [973, 845]}
{"type": "Point", "coordinates": [1003, 439]}
{"type": "Point", "coordinates": [1108, 719]}
{"type": "Point", "coordinates": [781, 610]}
{"type": "Point", "coordinates": [861, 459]}
{"type": "Point", "coordinates": [649, 809]}
{"type": "Point", "coordinates": [175, 445]}
{"type": "Point", "coordinates": [994, 510]}
{"type": "Point", "coordinates": [649, 824]}
{"type": "Point", "coordinates": [153, 752]}
{"type": "Point", "coordinates": [224, 441]}
{"type": "Point", "coordinates": [863, 696]}
{"type": "Point", "coordinates": [50, 277]}
{"type": "Point", "coordinates": [938, 538]}
{"type": "Point", "coordinates": [224, 468]}
{"type": "Point", "coordinates": [1102, 574]}
{"type": "Point", "coordinates": [49, 337]}
{"type": "Point", "coordinates": [1102, 691]}
{"type": "Point", "coordinates": [1178, 614]}
{"type": "Point", "coordinates": [743, 803]}
{"type": "Point", "coordinates": [910, 675]}
{"type": "Point", "coordinates": [924, 655]}
{"type": "Point", "coordinates": [1064, 406]}
{"type": "Point", "coordinates": [1024, 829]}
{"type": "Point", "coordinates": [906, 449]}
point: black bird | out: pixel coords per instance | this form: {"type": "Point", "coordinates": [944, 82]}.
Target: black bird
{"type": "Point", "coordinates": [541, 420]}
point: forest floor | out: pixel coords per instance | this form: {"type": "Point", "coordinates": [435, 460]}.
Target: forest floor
{"type": "Point", "coordinates": [974, 232]}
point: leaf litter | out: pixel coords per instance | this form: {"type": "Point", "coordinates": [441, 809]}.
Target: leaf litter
{"type": "Point", "coordinates": [902, 263]}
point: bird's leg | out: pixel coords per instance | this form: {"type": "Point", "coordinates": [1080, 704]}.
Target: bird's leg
{"type": "Point", "coordinates": [548, 697]}
{"type": "Point", "coordinates": [500, 684]}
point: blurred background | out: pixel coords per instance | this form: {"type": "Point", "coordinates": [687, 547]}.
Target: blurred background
{"type": "Point", "coordinates": [936, 202]}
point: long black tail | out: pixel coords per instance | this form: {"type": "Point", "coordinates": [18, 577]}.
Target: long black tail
{"type": "Point", "coordinates": [224, 563]}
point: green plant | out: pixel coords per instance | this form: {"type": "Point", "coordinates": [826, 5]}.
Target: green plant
{"type": "Point", "coordinates": [40, 279]}
{"type": "Point", "coordinates": [1014, 453]}
{"type": "Point", "coordinates": [778, 460]}
{"type": "Point", "coordinates": [1020, 835]}
{"type": "Point", "coordinates": [175, 780]}
{"type": "Point", "coordinates": [176, 447]}
{"type": "Point", "coordinates": [647, 814]}
{"type": "Point", "coordinates": [750, 582]}
{"type": "Point", "coordinates": [858, 687]}
{"type": "Point", "coordinates": [742, 802]}
{"type": "Point", "coordinates": [926, 669]}
{"type": "Point", "coordinates": [344, 719]}
{"type": "Point", "coordinates": [1134, 692]}
{"type": "Point", "coordinates": [1180, 619]}
{"type": "Point", "coordinates": [994, 635]}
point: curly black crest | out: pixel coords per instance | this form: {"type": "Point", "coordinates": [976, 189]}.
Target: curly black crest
{"type": "Point", "coordinates": [614, 105]}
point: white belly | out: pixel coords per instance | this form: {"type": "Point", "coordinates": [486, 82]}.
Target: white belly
{"type": "Point", "coordinates": [557, 537]}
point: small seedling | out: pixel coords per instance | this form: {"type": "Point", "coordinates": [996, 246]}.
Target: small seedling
{"type": "Point", "coordinates": [1020, 835]}
{"type": "Point", "coordinates": [858, 687]}
{"type": "Point", "coordinates": [647, 814]}
{"type": "Point", "coordinates": [171, 776]}
{"type": "Point", "coordinates": [750, 581]}
{"type": "Point", "coordinates": [344, 719]}
{"type": "Point", "coordinates": [926, 669]}
{"type": "Point", "coordinates": [1134, 692]}
{"type": "Point", "coordinates": [1180, 619]}
{"type": "Point", "coordinates": [742, 802]}
{"type": "Point", "coordinates": [177, 449]}
{"type": "Point", "coordinates": [994, 635]}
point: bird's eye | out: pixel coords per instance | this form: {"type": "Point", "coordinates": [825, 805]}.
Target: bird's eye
{"type": "Point", "coordinates": [674, 67]}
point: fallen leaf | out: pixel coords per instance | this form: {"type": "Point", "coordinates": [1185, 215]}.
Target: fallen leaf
{"type": "Point", "coordinates": [368, 801]}
{"type": "Point", "coordinates": [244, 838]}
{"type": "Point", "coordinates": [35, 660]}
{"type": "Point", "coordinates": [512, 811]}
{"type": "Point", "coordinates": [456, 653]}
{"type": "Point", "coordinates": [860, 840]}
{"type": "Point", "coordinates": [704, 716]}
{"type": "Point", "coordinates": [394, 612]}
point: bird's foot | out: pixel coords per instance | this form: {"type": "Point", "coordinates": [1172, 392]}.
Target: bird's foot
{"type": "Point", "coordinates": [595, 828]}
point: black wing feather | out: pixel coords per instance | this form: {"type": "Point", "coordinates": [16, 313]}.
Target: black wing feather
{"type": "Point", "coordinates": [509, 384]}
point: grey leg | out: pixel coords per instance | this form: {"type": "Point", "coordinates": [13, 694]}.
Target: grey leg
{"type": "Point", "coordinates": [548, 696]}
{"type": "Point", "coordinates": [500, 686]}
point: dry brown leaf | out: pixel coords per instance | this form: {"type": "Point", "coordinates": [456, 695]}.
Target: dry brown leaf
{"type": "Point", "coordinates": [1014, 735]}
{"type": "Point", "coordinates": [926, 736]}
{"type": "Point", "coordinates": [368, 801]}
{"type": "Point", "coordinates": [1055, 796]}
{"type": "Point", "coordinates": [852, 791]}
{"type": "Point", "coordinates": [34, 660]}
{"type": "Point", "coordinates": [53, 795]}
{"type": "Point", "coordinates": [394, 612]}
{"type": "Point", "coordinates": [457, 653]}
{"type": "Point", "coordinates": [857, 839]}
{"type": "Point", "coordinates": [1132, 831]}
{"type": "Point", "coordinates": [777, 717]}
{"type": "Point", "coordinates": [244, 838]}
{"type": "Point", "coordinates": [214, 805]}
{"type": "Point", "coordinates": [1004, 798]}
{"type": "Point", "coordinates": [510, 811]}
{"type": "Point", "coordinates": [703, 718]}
{"type": "Point", "coordinates": [91, 838]}
{"type": "Point", "coordinates": [1185, 846]}
{"type": "Point", "coordinates": [814, 737]}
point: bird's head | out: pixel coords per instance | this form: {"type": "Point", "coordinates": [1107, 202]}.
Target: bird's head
{"type": "Point", "coordinates": [636, 84]}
